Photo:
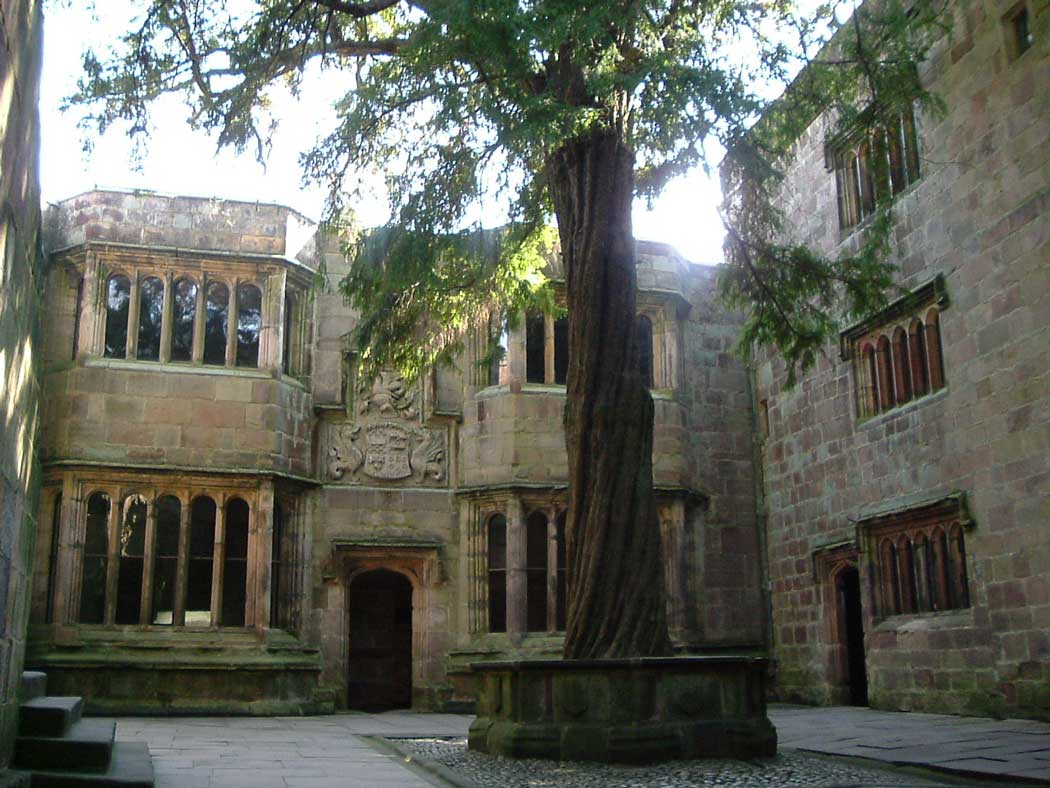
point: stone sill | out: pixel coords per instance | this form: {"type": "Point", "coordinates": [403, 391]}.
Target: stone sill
{"type": "Point", "coordinates": [898, 410]}
{"type": "Point", "coordinates": [923, 622]}
{"type": "Point", "coordinates": [188, 367]}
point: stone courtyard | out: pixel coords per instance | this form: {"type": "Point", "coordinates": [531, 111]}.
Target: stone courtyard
{"type": "Point", "coordinates": [402, 749]}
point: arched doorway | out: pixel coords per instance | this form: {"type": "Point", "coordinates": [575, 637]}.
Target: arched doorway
{"type": "Point", "coordinates": [851, 634]}
{"type": "Point", "coordinates": [380, 663]}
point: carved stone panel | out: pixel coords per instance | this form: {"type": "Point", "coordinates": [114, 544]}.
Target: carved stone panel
{"type": "Point", "coordinates": [388, 396]}
{"type": "Point", "coordinates": [387, 452]}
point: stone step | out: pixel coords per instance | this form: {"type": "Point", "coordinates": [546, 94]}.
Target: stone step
{"type": "Point", "coordinates": [87, 746]}
{"type": "Point", "coordinates": [130, 767]}
{"type": "Point", "coordinates": [33, 685]}
{"type": "Point", "coordinates": [48, 716]}
{"type": "Point", "coordinates": [9, 779]}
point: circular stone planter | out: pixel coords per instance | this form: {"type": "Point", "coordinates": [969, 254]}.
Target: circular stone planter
{"type": "Point", "coordinates": [624, 710]}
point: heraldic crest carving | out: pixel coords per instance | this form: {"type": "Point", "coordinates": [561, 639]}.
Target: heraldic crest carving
{"type": "Point", "coordinates": [386, 451]}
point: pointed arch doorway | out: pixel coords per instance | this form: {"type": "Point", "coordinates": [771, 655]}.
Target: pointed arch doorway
{"type": "Point", "coordinates": [380, 649]}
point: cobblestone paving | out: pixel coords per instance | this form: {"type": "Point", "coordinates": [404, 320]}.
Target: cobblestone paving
{"type": "Point", "coordinates": [785, 770]}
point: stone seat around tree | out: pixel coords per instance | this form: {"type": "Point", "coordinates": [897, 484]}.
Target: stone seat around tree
{"type": "Point", "coordinates": [58, 749]}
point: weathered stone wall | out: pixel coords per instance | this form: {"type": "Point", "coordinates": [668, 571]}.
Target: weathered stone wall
{"type": "Point", "coordinates": [720, 429]}
{"type": "Point", "coordinates": [977, 216]}
{"type": "Point", "coordinates": [149, 219]}
{"type": "Point", "coordinates": [236, 420]}
{"type": "Point", "coordinates": [20, 285]}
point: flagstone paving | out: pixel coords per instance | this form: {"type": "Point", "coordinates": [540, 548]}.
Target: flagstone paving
{"type": "Point", "coordinates": [341, 751]}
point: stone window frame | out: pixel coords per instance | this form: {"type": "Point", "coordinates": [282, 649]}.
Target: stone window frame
{"type": "Point", "coordinates": [897, 355]}
{"type": "Point", "coordinates": [517, 510]}
{"type": "Point", "coordinates": [169, 276]}
{"type": "Point", "coordinates": [57, 583]}
{"type": "Point", "coordinates": [661, 310]}
{"type": "Point", "coordinates": [1018, 30]}
{"type": "Point", "coordinates": [866, 170]}
{"type": "Point", "coordinates": [917, 558]}
{"type": "Point", "coordinates": [92, 264]}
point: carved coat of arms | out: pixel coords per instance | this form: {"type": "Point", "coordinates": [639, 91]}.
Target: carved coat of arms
{"type": "Point", "coordinates": [386, 451]}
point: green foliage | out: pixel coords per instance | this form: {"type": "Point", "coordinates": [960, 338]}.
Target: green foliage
{"type": "Point", "coordinates": [863, 78]}
{"type": "Point", "coordinates": [461, 103]}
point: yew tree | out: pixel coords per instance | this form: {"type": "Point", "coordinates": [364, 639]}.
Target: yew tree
{"type": "Point", "coordinates": [486, 113]}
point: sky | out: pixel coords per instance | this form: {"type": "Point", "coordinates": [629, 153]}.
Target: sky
{"type": "Point", "coordinates": [180, 160]}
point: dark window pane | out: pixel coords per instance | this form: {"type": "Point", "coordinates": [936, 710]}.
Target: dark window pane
{"type": "Point", "coordinates": [52, 557]}
{"type": "Point", "coordinates": [132, 549]}
{"type": "Point", "coordinates": [645, 349]}
{"type": "Point", "coordinates": [535, 347]}
{"type": "Point", "coordinates": [289, 324]}
{"type": "Point", "coordinates": [118, 299]}
{"type": "Point", "coordinates": [151, 312]}
{"type": "Point", "coordinates": [249, 325]}
{"type": "Point", "coordinates": [96, 555]}
{"type": "Point", "coordinates": [166, 558]}
{"type": "Point", "coordinates": [536, 572]}
{"type": "Point", "coordinates": [562, 601]}
{"type": "Point", "coordinates": [76, 317]}
{"type": "Point", "coordinates": [498, 369]}
{"type": "Point", "coordinates": [217, 318]}
{"type": "Point", "coordinates": [276, 562]}
{"type": "Point", "coordinates": [185, 314]}
{"type": "Point", "coordinates": [235, 565]}
{"type": "Point", "coordinates": [561, 350]}
{"type": "Point", "coordinates": [202, 553]}
{"type": "Point", "coordinates": [497, 554]}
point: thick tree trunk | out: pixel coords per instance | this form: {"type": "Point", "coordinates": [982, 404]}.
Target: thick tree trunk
{"type": "Point", "coordinates": [616, 584]}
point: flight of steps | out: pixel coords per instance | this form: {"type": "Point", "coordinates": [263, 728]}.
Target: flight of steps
{"type": "Point", "coordinates": [60, 750]}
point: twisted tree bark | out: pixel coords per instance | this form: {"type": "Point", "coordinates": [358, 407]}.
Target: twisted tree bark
{"type": "Point", "coordinates": [616, 586]}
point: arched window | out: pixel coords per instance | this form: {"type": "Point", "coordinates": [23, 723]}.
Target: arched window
{"type": "Point", "coordinates": [921, 557]}
{"type": "Point", "coordinates": [52, 558]}
{"type": "Point", "coordinates": [888, 572]}
{"type": "Point", "coordinates": [536, 561]}
{"type": "Point", "coordinates": [906, 575]}
{"type": "Point", "coordinates": [870, 393]}
{"type": "Point", "coordinates": [290, 324]}
{"type": "Point", "coordinates": [645, 349]}
{"type": "Point", "coordinates": [933, 349]}
{"type": "Point", "coordinates": [561, 350]}
{"type": "Point", "coordinates": [185, 314]}
{"type": "Point", "coordinates": [957, 555]}
{"type": "Point", "coordinates": [235, 564]}
{"type": "Point", "coordinates": [497, 571]}
{"type": "Point", "coordinates": [132, 555]}
{"type": "Point", "coordinates": [96, 560]}
{"type": "Point", "coordinates": [917, 357]}
{"type": "Point", "coordinates": [499, 370]}
{"type": "Point", "coordinates": [563, 591]}
{"type": "Point", "coordinates": [249, 325]}
{"type": "Point", "coordinates": [151, 314]}
{"type": "Point", "coordinates": [535, 347]}
{"type": "Point", "coordinates": [202, 557]}
{"type": "Point", "coordinates": [941, 588]}
{"type": "Point", "coordinates": [217, 319]}
{"type": "Point", "coordinates": [277, 561]}
{"type": "Point", "coordinates": [885, 368]}
{"type": "Point", "coordinates": [166, 559]}
{"type": "Point", "coordinates": [901, 367]}
{"type": "Point", "coordinates": [118, 299]}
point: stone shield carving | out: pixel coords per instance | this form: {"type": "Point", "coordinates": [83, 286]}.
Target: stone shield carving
{"type": "Point", "coordinates": [387, 451]}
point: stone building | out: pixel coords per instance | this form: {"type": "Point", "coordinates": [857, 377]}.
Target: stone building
{"type": "Point", "coordinates": [231, 521]}
{"type": "Point", "coordinates": [906, 480]}
{"type": "Point", "coordinates": [20, 287]}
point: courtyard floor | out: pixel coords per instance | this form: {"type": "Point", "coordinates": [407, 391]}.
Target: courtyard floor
{"type": "Point", "coordinates": [403, 749]}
